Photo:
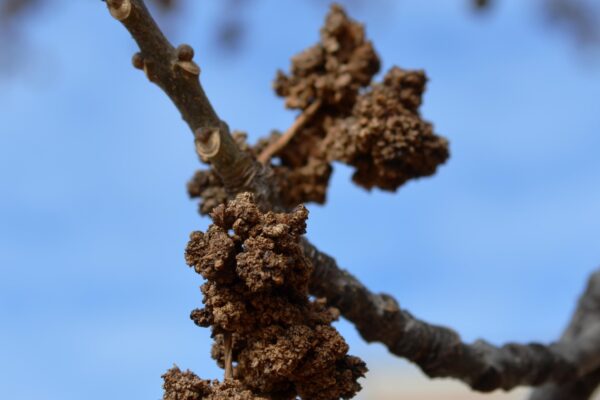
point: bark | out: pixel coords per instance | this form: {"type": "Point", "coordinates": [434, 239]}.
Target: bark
{"type": "Point", "coordinates": [581, 337]}
{"type": "Point", "coordinates": [439, 351]}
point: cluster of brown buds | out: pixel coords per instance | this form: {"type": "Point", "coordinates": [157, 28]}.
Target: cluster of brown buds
{"type": "Point", "coordinates": [271, 339]}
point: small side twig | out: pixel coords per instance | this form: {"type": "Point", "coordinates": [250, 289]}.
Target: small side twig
{"type": "Point", "coordinates": [274, 148]}
{"type": "Point", "coordinates": [228, 344]}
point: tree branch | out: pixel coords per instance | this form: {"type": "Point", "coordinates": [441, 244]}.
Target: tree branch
{"type": "Point", "coordinates": [581, 389]}
{"type": "Point", "coordinates": [437, 350]}
{"type": "Point", "coordinates": [165, 65]}
{"type": "Point", "coordinates": [173, 70]}
{"type": "Point", "coordinates": [582, 333]}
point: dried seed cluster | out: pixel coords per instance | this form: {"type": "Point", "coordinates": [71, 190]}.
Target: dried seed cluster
{"type": "Point", "coordinates": [374, 127]}
{"type": "Point", "coordinates": [333, 70]}
{"type": "Point", "coordinates": [379, 130]}
{"type": "Point", "coordinates": [208, 187]}
{"type": "Point", "coordinates": [284, 346]}
{"type": "Point", "coordinates": [186, 385]}
{"type": "Point", "coordinates": [385, 138]}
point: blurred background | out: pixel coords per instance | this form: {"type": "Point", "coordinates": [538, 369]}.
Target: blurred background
{"type": "Point", "coordinates": [94, 292]}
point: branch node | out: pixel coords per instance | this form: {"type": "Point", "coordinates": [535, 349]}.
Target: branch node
{"type": "Point", "coordinates": [185, 54]}
{"type": "Point", "coordinates": [208, 142]}
{"type": "Point", "coordinates": [138, 61]}
{"type": "Point", "coordinates": [188, 66]}
{"type": "Point", "coordinates": [150, 74]}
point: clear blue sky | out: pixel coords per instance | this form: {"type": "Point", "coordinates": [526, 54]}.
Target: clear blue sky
{"type": "Point", "coordinates": [94, 217]}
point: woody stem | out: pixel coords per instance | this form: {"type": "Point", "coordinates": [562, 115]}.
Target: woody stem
{"type": "Point", "coordinates": [274, 148]}
{"type": "Point", "coordinates": [228, 342]}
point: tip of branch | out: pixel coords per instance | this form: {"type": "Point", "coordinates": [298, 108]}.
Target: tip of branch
{"type": "Point", "coordinates": [119, 9]}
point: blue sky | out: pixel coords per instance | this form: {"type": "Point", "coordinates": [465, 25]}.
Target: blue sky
{"type": "Point", "coordinates": [94, 217]}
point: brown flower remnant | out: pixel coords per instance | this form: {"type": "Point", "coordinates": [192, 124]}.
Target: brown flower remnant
{"type": "Point", "coordinates": [385, 137]}
{"type": "Point", "coordinates": [187, 386]}
{"type": "Point", "coordinates": [378, 131]}
{"type": "Point", "coordinates": [208, 187]}
{"type": "Point", "coordinates": [331, 72]}
{"type": "Point", "coordinates": [256, 292]}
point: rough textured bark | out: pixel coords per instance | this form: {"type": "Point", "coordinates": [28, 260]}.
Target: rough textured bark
{"type": "Point", "coordinates": [582, 334]}
{"type": "Point", "coordinates": [581, 389]}
{"type": "Point", "coordinates": [574, 362]}
{"type": "Point", "coordinates": [440, 352]}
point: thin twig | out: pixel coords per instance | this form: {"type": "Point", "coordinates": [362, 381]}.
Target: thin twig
{"type": "Point", "coordinates": [167, 67]}
{"type": "Point", "coordinates": [274, 148]}
{"type": "Point", "coordinates": [159, 59]}
{"type": "Point", "coordinates": [228, 344]}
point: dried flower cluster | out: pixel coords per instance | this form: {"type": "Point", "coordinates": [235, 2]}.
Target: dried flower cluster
{"type": "Point", "coordinates": [256, 293]}
{"type": "Point", "coordinates": [328, 75]}
{"type": "Point", "coordinates": [332, 71]}
{"type": "Point", "coordinates": [379, 131]}
{"type": "Point", "coordinates": [186, 385]}
{"type": "Point", "coordinates": [385, 138]}
{"type": "Point", "coordinates": [376, 128]}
